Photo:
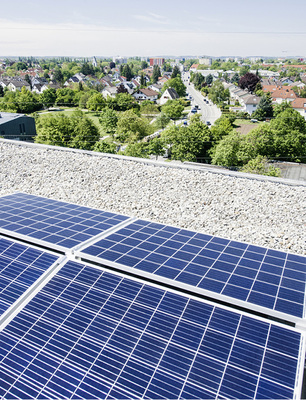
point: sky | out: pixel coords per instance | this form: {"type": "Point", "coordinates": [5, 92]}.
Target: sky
{"type": "Point", "coordinates": [103, 28]}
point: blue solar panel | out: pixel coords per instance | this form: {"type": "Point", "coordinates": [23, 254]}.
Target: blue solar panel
{"type": "Point", "coordinates": [252, 274]}
{"type": "Point", "coordinates": [20, 267]}
{"type": "Point", "coordinates": [61, 224]}
{"type": "Point", "coordinates": [93, 334]}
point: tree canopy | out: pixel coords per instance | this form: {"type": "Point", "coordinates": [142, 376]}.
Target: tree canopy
{"type": "Point", "coordinates": [249, 81]}
{"type": "Point", "coordinates": [173, 109]}
{"type": "Point", "coordinates": [76, 131]}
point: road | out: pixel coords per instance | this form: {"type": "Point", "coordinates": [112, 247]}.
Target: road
{"type": "Point", "coordinates": [209, 112]}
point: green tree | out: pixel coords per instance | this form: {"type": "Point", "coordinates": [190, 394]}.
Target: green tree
{"type": "Point", "coordinates": [131, 127]}
{"type": "Point", "coordinates": [76, 131]}
{"type": "Point", "coordinates": [108, 120]}
{"type": "Point", "coordinates": [105, 147]}
{"type": "Point", "coordinates": [279, 108]}
{"type": "Point", "coordinates": [173, 109]}
{"type": "Point", "coordinates": [175, 72]}
{"type": "Point", "coordinates": [188, 143]}
{"type": "Point", "coordinates": [136, 150]}
{"type": "Point", "coordinates": [209, 79]}
{"type": "Point", "coordinates": [235, 78]}
{"type": "Point", "coordinates": [96, 102]}
{"type": "Point", "coordinates": [84, 132]}
{"type": "Point", "coordinates": [226, 152]}
{"type": "Point", "coordinates": [217, 94]}
{"type": "Point", "coordinates": [127, 72]}
{"type": "Point", "coordinates": [265, 108]}
{"type": "Point", "coordinates": [156, 74]}
{"type": "Point", "coordinates": [244, 69]}
{"type": "Point", "coordinates": [259, 165]}
{"type": "Point", "coordinates": [28, 102]}
{"type": "Point", "coordinates": [122, 102]}
{"type": "Point", "coordinates": [144, 65]}
{"type": "Point", "coordinates": [177, 84]}
{"type": "Point", "coordinates": [156, 147]}
{"type": "Point", "coordinates": [87, 69]}
{"type": "Point", "coordinates": [58, 75]}
{"type": "Point", "coordinates": [48, 97]}
{"type": "Point", "coordinates": [65, 97]}
{"type": "Point", "coordinates": [289, 136]}
{"type": "Point", "coordinates": [162, 121]}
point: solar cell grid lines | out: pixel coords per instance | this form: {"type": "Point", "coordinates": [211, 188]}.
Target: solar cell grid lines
{"type": "Point", "coordinates": [62, 225]}
{"type": "Point", "coordinates": [20, 267]}
{"type": "Point", "coordinates": [250, 274]}
{"type": "Point", "coordinates": [95, 334]}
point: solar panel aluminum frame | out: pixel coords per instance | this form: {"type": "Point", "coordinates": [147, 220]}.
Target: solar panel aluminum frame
{"type": "Point", "coordinates": [21, 302]}
{"type": "Point", "coordinates": [81, 256]}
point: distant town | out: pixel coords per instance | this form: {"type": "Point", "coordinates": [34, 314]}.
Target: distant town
{"type": "Point", "coordinates": [248, 114]}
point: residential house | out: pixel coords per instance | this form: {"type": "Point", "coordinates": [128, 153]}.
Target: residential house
{"type": "Point", "coordinates": [169, 94]}
{"type": "Point", "coordinates": [194, 68]}
{"type": "Point", "coordinates": [76, 78]}
{"type": "Point", "coordinates": [37, 88]}
{"type": "Point", "coordinates": [163, 79]}
{"type": "Point", "coordinates": [17, 85]}
{"type": "Point", "coordinates": [250, 103]}
{"type": "Point", "coordinates": [17, 126]}
{"type": "Point", "coordinates": [156, 86]}
{"type": "Point", "coordinates": [109, 91]}
{"type": "Point", "coordinates": [286, 80]}
{"type": "Point", "coordinates": [106, 81]}
{"type": "Point", "coordinates": [39, 81]}
{"type": "Point", "coordinates": [299, 104]}
{"type": "Point", "coordinates": [145, 94]}
{"type": "Point", "coordinates": [280, 93]}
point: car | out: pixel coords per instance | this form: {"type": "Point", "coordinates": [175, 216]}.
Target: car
{"type": "Point", "coordinates": [194, 110]}
{"type": "Point", "coordinates": [254, 120]}
{"type": "Point", "coordinates": [208, 123]}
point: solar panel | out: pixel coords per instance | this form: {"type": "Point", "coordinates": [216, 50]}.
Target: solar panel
{"type": "Point", "coordinates": [61, 225]}
{"type": "Point", "coordinates": [94, 334]}
{"type": "Point", "coordinates": [20, 267]}
{"type": "Point", "coordinates": [262, 278]}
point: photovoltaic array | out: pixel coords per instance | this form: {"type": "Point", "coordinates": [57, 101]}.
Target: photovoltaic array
{"type": "Point", "coordinates": [268, 278]}
{"type": "Point", "coordinates": [91, 331]}
{"type": "Point", "coordinates": [57, 223]}
{"type": "Point", "coordinates": [20, 267]}
{"type": "Point", "coordinates": [93, 334]}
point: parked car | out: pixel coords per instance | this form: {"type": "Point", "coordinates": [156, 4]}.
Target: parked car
{"type": "Point", "coordinates": [194, 110]}
{"type": "Point", "coordinates": [208, 123]}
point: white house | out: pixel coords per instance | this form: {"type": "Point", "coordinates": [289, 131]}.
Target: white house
{"type": "Point", "coordinates": [15, 86]}
{"type": "Point", "coordinates": [299, 104]}
{"type": "Point", "coordinates": [169, 94]}
{"type": "Point", "coordinates": [250, 103]}
{"type": "Point", "coordinates": [145, 94]}
{"type": "Point", "coordinates": [109, 91]}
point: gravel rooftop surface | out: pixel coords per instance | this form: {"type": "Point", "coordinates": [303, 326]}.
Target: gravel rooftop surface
{"type": "Point", "coordinates": [271, 214]}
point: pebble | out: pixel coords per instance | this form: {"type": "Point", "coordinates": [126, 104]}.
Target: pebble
{"type": "Point", "coordinates": [264, 213]}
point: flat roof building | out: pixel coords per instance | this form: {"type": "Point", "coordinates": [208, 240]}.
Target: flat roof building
{"type": "Point", "coordinates": [17, 126]}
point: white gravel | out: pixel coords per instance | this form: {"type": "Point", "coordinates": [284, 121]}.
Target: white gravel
{"type": "Point", "coordinates": [259, 212]}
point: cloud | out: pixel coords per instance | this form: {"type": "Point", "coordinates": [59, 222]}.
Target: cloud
{"type": "Point", "coordinates": [153, 18]}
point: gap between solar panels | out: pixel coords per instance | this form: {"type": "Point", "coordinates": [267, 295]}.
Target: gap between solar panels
{"type": "Point", "coordinates": [258, 280]}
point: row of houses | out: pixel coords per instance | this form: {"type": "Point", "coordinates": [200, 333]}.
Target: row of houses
{"type": "Point", "coordinates": [249, 102]}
